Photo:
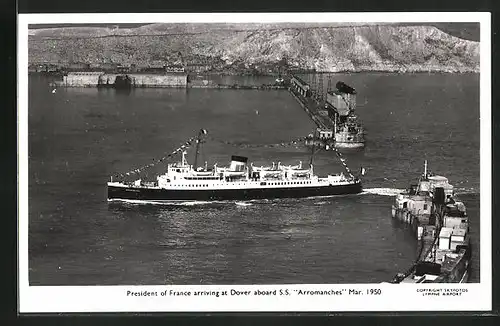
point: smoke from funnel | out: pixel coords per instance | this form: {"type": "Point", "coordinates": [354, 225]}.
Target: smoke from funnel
{"type": "Point", "coordinates": [344, 88]}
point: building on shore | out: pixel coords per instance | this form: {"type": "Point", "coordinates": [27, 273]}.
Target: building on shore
{"type": "Point", "coordinates": [43, 67]}
{"type": "Point", "coordinates": [198, 67]}
{"type": "Point", "coordinates": [77, 66]}
{"type": "Point", "coordinates": [104, 66]}
{"type": "Point", "coordinates": [174, 69]}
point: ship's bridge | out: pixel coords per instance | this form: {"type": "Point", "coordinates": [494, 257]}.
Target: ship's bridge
{"type": "Point", "coordinates": [437, 181]}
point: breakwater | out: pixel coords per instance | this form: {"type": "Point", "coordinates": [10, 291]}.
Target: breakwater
{"type": "Point", "coordinates": [101, 79]}
{"type": "Point", "coordinates": [139, 80]}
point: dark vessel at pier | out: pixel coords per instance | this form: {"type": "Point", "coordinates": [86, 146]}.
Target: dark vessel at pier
{"type": "Point", "coordinates": [441, 225]}
{"type": "Point", "coordinates": [347, 130]}
{"type": "Point", "coordinates": [336, 119]}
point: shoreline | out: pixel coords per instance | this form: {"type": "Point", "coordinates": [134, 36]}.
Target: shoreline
{"type": "Point", "coordinates": [241, 74]}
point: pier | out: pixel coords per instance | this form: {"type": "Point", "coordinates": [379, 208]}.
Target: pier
{"type": "Point", "coordinates": [311, 109]}
{"type": "Point", "coordinates": [237, 86]}
{"type": "Point", "coordinates": [101, 79]}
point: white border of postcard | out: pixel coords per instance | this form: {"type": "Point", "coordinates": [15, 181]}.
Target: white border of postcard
{"type": "Point", "coordinates": [344, 297]}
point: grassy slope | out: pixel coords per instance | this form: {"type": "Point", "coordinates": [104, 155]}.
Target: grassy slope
{"type": "Point", "coordinates": [330, 47]}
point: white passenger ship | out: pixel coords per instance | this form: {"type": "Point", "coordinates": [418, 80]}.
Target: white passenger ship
{"type": "Point", "coordinates": [239, 181]}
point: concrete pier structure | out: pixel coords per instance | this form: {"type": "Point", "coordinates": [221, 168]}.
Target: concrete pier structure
{"type": "Point", "coordinates": [101, 79]}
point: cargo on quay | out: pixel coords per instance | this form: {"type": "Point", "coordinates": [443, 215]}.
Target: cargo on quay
{"type": "Point", "coordinates": [239, 181]}
{"type": "Point", "coordinates": [441, 225]}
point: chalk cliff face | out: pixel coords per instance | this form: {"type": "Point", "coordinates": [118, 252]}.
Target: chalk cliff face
{"type": "Point", "coordinates": [353, 47]}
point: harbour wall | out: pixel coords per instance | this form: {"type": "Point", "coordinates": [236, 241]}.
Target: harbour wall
{"type": "Point", "coordinates": [179, 80]}
{"type": "Point", "coordinates": [169, 80]}
{"type": "Point", "coordinates": [90, 79]}
{"type": "Point", "coordinates": [101, 79]}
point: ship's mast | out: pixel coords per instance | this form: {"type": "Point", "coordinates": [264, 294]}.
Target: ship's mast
{"type": "Point", "coordinates": [198, 142]}
{"type": "Point", "coordinates": [313, 148]}
{"type": "Point", "coordinates": [183, 162]}
{"type": "Point", "coordinates": [425, 169]}
{"type": "Point", "coordinates": [334, 125]}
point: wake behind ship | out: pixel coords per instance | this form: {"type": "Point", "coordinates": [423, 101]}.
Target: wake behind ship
{"type": "Point", "coordinates": [239, 181]}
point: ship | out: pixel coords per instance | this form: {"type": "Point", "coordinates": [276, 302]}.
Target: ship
{"type": "Point", "coordinates": [239, 181]}
{"type": "Point", "coordinates": [341, 105]}
{"type": "Point", "coordinates": [441, 225]}
{"type": "Point", "coordinates": [340, 125]}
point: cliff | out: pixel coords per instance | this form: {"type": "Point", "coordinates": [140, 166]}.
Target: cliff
{"type": "Point", "coordinates": [333, 47]}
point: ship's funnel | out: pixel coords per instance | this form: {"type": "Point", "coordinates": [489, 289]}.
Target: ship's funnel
{"type": "Point", "coordinates": [439, 196]}
{"type": "Point", "coordinates": [344, 88]}
{"type": "Point", "coordinates": [238, 163]}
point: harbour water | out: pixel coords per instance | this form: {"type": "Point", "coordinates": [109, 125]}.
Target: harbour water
{"type": "Point", "coordinates": [80, 137]}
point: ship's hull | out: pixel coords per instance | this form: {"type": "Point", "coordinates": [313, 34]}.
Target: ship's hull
{"type": "Point", "coordinates": [155, 194]}
{"type": "Point", "coordinates": [347, 145]}
{"type": "Point", "coordinates": [337, 144]}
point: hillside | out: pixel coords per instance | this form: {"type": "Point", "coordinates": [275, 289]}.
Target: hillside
{"type": "Point", "coordinates": [333, 47]}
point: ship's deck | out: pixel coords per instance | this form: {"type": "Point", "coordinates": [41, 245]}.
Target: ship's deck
{"type": "Point", "coordinates": [238, 184]}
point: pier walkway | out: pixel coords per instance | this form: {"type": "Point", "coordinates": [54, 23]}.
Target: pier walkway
{"type": "Point", "coordinates": [312, 110]}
